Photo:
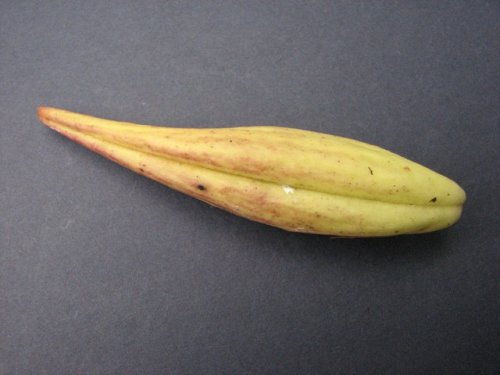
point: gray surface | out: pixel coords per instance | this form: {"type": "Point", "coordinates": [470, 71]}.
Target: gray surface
{"type": "Point", "coordinates": [103, 271]}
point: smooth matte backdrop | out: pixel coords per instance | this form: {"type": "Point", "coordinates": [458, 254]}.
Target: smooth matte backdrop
{"type": "Point", "coordinates": [106, 272]}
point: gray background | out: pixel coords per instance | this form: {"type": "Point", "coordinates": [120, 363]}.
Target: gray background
{"type": "Point", "coordinates": [105, 272]}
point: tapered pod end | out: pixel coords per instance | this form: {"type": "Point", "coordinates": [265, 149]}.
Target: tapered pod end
{"type": "Point", "coordinates": [44, 112]}
{"type": "Point", "coordinates": [44, 115]}
{"type": "Point", "coordinates": [41, 112]}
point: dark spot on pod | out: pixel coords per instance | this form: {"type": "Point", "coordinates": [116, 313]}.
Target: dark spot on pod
{"type": "Point", "coordinates": [201, 187]}
{"type": "Point", "coordinates": [141, 169]}
{"type": "Point", "coordinates": [433, 200]}
{"type": "Point", "coordinates": [371, 171]}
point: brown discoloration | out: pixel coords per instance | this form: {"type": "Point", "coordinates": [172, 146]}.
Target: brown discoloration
{"type": "Point", "coordinates": [245, 210]}
{"type": "Point", "coordinates": [212, 139]}
{"type": "Point", "coordinates": [407, 168]}
{"type": "Point", "coordinates": [254, 205]}
{"type": "Point", "coordinates": [254, 198]}
{"type": "Point", "coordinates": [84, 141]}
{"type": "Point", "coordinates": [433, 200]}
{"type": "Point", "coordinates": [56, 117]}
{"type": "Point", "coordinates": [371, 171]}
{"type": "Point", "coordinates": [249, 165]}
{"type": "Point", "coordinates": [194, 158]}
{"type": "Point", "coordinates": [423, 229]}
{"type": "Point", "coordinates": [108, 154]}
{"type": "Point", "coordinates": [201, 187]}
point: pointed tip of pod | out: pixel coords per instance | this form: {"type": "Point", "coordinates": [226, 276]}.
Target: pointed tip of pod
{"type": "Point", "coordinates": [45, 112]}
{"type": "Point", "coordinates": [44, 115]}
{"type": "Point", "coordinates": [41, 112]}
{"type": "Point", "coordinates": [55, 118]}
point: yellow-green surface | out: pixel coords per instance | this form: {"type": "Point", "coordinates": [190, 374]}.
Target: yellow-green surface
{"type": "Point", "coordinates": [293, 179]}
